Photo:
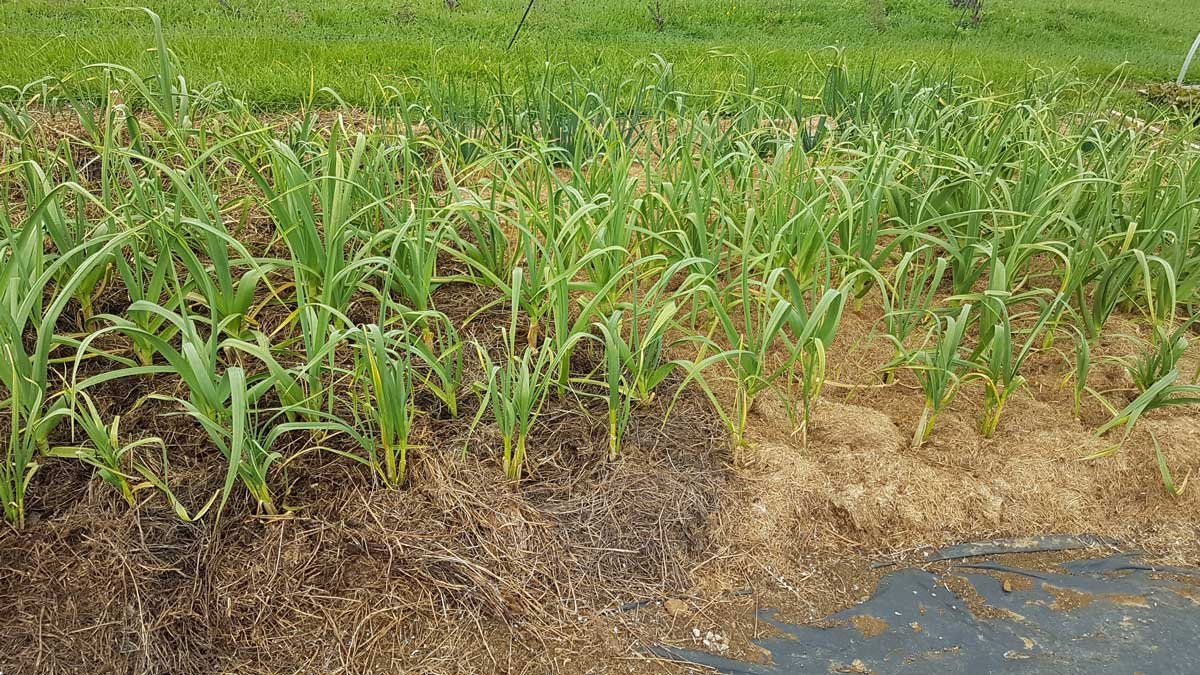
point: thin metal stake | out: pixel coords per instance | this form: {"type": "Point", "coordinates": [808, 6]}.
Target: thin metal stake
{"type": "Point", "coordinates": [530, 6]}
{"type": "Point", "coordinates": [1182, 71]}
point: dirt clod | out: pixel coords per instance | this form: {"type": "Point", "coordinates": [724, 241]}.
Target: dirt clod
{"type": "Point", "coordinates": [677, 608]}
{"type": "Point", "coordinates": [869, 626]}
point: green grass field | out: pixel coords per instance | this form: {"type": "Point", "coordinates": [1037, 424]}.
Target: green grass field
{"type": "Point", "coordinates": [276, 54]}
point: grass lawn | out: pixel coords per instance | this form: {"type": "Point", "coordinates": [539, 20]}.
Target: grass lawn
{"type": "Point", "coordinates": [276, 54]}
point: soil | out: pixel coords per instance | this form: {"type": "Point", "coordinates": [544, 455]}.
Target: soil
{"type": "Point", "coordinates": [586, 562]}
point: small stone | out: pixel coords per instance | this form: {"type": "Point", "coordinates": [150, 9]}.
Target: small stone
{"type": "Point", "coordinates": [1007, 586]}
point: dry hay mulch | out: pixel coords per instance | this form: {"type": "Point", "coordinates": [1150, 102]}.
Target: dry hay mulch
{"type": "Point", "coordinates": [1169, 93]}
{"type": "Point", "coordinates": [458, 572]}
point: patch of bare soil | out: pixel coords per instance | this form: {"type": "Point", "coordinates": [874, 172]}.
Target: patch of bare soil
{"type": "Point", "coordinates": [805, 522]}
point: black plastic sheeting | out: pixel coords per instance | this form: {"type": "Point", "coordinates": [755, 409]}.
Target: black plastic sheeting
{"type": "Point", "coordinates": [1107, 615]}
